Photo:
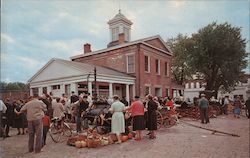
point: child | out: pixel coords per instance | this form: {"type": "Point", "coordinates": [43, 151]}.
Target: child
{"type": "Point", "coordinates": [46, 125]}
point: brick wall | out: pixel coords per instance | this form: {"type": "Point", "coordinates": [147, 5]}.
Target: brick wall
{"type": "Point", "coordinates": [153, 78]}
{"type": "Point", "coordinates": [117, 59]}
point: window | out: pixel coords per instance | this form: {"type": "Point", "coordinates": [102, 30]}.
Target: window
{"type": "Point", "coordinates": [103, 87]}
{"type": "Point", "coordinates": [35, 91]}
{"type": "Point", "coordinates": [157, 66]}
{"type": "Point", "coordinates": [167, 69]}
{"type": "Point", "coordinates": [56, 87]}
{"type": "Point", "coordinates": [147, 63]}
{"type": "Point", "coordinates": [126, 33]}
{"type": "Point", "coordinates": [192, 85]}
{"type": "Point", "coordinates": [131, 63]}
{"type": "Point", "coordinates": [167, 92]}
{"type": "Point", "coordinates": [44, 90]}
{"type": "Point", "coordinates": [158, 92]}
{"type": "Point", "coordinates": [115, 33]}
{"type": "Point", "coordinates": [147, 90]}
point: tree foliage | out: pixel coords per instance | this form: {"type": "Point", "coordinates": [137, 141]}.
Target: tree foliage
{"type": "Point", "coordinates": [219, 53]}
{"type": "Point", "coordinates": [216, 51]}
{"type": "Point", "coordinates": [181, 46]}
{"type": "Point", "coordinates": [13, 86]}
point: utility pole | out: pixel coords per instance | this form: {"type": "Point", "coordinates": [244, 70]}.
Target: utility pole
{"type": "Point", "coordinates": [95, 80]}
{"type": "Point", "coordinates": [88, 83]}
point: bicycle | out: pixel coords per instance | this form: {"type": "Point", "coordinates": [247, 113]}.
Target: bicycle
{"type": "Point", "coordinates": [59, 129]}
{"type": "Point", "coordinates": [166, 117]}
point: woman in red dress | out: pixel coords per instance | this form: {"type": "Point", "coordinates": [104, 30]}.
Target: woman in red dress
{"type": "Point", "coordinates": [137, 112]}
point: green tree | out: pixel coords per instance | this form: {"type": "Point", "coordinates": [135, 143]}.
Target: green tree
{"type": "Point", "coordinates": [13, 86]}
{"type": "Point", "coordinates": [181, 46]}
{"type": "Point", "coordinates": [218, 53]}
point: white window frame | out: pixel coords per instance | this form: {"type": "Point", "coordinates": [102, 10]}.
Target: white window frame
{"type": "Point", "coordinates": [168, 69]}
{"type": "Point", "coordinates": [167, 91]}
{"type": "Point", "coordinates": [148, 63]}
{"type": "Point", "coordinates": [127, 56]}
{"type": "Point", "coordinates": [159, 66]}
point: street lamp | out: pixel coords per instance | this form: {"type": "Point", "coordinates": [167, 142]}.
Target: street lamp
{"type": "Point", "coordinates": [95, 89]}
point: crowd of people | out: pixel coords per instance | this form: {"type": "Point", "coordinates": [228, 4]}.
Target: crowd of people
{"type": "Point", "coordinates": [34, 115]}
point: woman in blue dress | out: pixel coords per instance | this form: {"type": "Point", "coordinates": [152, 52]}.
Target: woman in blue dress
{"type": "Point", "coordinates": [237, 107]}
{"type": "Point", "coordinates": [118, 121]}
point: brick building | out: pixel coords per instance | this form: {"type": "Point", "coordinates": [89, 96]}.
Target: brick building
{"type": "Point", "coordinates": [125, 67]}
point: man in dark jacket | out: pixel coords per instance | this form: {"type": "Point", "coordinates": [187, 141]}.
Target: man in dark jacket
{"type": "Point", "coordinates": [203, 105]}
{"type": "Point", "coordinates": [74, 98]}
{"type": "Point", "coordinates": [81, 107]}
{"type": "Point", "coordinates": [8, 117]}
{"type": "Point", "coordinates": [124, 101]}
{"type": "Point", "coordinates": [248, 107]}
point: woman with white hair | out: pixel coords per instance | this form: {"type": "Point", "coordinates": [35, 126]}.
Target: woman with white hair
{"type": "Point", "coordinates": [117, 122]}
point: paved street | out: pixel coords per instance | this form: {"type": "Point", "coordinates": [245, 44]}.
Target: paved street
{"type": "Point", "coordinates": [177, 142]}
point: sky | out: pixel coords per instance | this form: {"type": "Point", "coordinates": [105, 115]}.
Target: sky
{"type": "Point", "coordinates": [34, 31]}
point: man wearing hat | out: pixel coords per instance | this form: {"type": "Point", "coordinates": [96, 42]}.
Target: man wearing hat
{"type": "Point", "coordinates": [203, 105]}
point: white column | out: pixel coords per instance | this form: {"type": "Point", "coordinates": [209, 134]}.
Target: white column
{"type": "Point", "coordinates": [40, 91]}
{"type": "Point", "coordinates": [90, 88]}
{"type": "Point", "coordinates": [133, 90]}
{"type": "Point", "coordinates": [110, 90]}
{"type": "Point", "coordinates": [31, 92]}
{"type": "Point", "coordinates": [74, 87]}
{"type": "Point", "coordinates": [48, 89]}
{"type": "Point", "coordinates": [127, 92]}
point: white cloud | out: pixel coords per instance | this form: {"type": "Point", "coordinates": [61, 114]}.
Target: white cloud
{"type": "Point", "coordinates": [30, 62]}
{"type": "Point", "coordinates": [5, 38]}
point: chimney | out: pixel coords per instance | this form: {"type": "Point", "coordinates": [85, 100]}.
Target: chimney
{"type": "Point", "coordinates": [121, 38]}
{"type": "Point", "coordinates": [87, 48]}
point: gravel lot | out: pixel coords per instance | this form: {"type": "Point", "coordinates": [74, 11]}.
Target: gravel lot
{"type": "Point", "coordinates": [176, 142]}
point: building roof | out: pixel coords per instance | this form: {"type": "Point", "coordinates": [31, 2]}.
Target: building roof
{"type": "Point", "coordinates": [84, 68]}
{"type": "Point", "coordinates": [142, 41]}
{"type": "Point", "coordinates": [119, 17]}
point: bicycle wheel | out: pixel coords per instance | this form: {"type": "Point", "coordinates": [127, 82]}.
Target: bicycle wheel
{"type": "Point", "coordinates": [54, 133]}
{"type": "Point", "coordinates": [159, 119]}
{"type": "Point", "coordinates": [66, 130]}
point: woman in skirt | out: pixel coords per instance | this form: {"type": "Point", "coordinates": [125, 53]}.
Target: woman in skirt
{"type": "Point", "coordinates": [152, 118]}
{"type": "Point", "coordinates": [137, 112]}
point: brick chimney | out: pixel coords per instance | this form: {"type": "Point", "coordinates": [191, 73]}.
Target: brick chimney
{"type": "Point", "coordinates": [121, 38]}
{"type": "Point", "coordinates": [87, 48]}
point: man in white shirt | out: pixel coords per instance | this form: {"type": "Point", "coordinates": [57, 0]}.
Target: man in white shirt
{"type": "Point", "coordinates": [3, 109]}
{"type": "Point", "coordinates": [35, 113]}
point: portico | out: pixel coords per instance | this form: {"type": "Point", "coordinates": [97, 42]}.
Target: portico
{"type": "Point", "coordinates": [79, 78]}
